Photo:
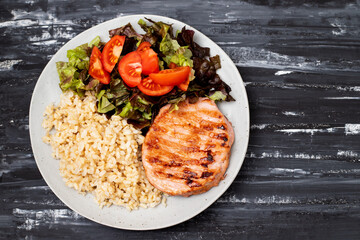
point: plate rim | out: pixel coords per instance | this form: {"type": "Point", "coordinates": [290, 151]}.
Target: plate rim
{"type": "Point", "coordinates": [243, 148]}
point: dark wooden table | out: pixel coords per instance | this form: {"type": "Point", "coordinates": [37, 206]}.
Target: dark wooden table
{"type": "Point", "coordinates": [300, 61]}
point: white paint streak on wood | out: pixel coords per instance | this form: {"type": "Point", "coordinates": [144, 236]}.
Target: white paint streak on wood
{"type": "Point", "coordinates": [287, 170]}
{"type": "Point", "coordinates": [309, 131]}
{"type": "Point", "coordinates": [18, 23]}
{"type": "Point", "coordinates": [342, 98]}
{"type": "Point", "coordinates": [352, 129]}
{"type": "Point", "coordinates": [37, 188]}
{"type": "Point", "coordinates": [259, 126]}
{"type": "Point", "coordinates": [2, 171]}
{"type": "Point", "coordinates": [228, 43]}
{"type": "Point", "coordinates": [257, 57]}
{"type": "Point", "coordinates": [18, 161]}
{"type": "Point", "coordinates": [48, 42]}
{"type": "Point", "coordinates": [278, 154]}
{"type": "Point", "coordinates": [340, 25]}
{"type": "Point", "coordinates": [279, 73]}
{"type": "Point", "coordinates": [347, 153]}
{"type": "Point", "coordinates": [56, 34]}
{"type": "Point", "coordinates": [8, 64]}
{"type": "Point", "coordinates": [34, 218]}
{"type": "Point", "coordinates": [51, 202]}
{"type": "Point", "coordinates": [287, 113]}
{"type": "Point", "coordinates": [350, 89]}
{"type": "Point", "coordinates": [258, 200]}
{"type": "Point", "coordinates": [25, 19]}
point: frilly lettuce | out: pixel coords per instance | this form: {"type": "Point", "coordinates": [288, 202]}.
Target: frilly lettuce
{"type": "Point", "coordinates": [73, 74]}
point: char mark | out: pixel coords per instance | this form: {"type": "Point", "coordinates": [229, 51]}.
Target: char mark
{"type": "Point", "coordinates": [189, 174]}
{"type": "Point", "coordinates": [192, 183]}
{"type": "Point", "coordinates": [206, 174]}
{"type": "Point", "coordinates": [157, 161]}
{"type": "Point", "coordinates": [209, 157]}
{"type": "Point", "coordinates": [222, 127]}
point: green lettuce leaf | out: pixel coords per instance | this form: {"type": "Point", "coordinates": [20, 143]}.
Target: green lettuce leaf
{"type": "Point", "coordinates": [146, 115]}
{"type": "Point", "coordinates": [168, 46]}
{"type": "Point", "coordinates": [217, 96]}
{"type": "Point", "coordinates": [67, 75]}
{"type": "Point", "coordinates": [181, 56]}
{"type": "Point", "coordinates": [79, 57]}
{"type": "Point", "coordinates": [126, 110]}
{"type": "Point", "coordinates": [104, 105]}
{"type": "Point", "coordinates": [95, 42]}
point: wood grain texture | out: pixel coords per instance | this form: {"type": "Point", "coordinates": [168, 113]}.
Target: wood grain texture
{"type": "Point", "coordinates": [300, 61]}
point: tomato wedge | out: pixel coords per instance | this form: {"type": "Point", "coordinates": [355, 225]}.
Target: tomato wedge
{"type": "Point", "coordinates": [130, 69]}
{"type": "Point", "coordinates": [96, 69]}
{"type": "Point", "coordinates": [184, 85]}
{"type": "Point", "coordinates": [148, 87]}
{"type": "Point", "coordinates": [171, 77]}
{"type": "Point", "coordinates": [149, 59]}
{"type": "Point", "coordinates": [112, 51]}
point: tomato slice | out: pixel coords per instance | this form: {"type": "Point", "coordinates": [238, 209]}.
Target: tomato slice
{"type": "Point", "coordinates": [96, 69]}
{"type": "Point", "coordinates": [130, 69]}
{"type": "Point", "coordinates": [112, 51]}
{"type": "Point", "coordinates": [148, 87]}
{"type": "Point", "coordinates": [149, 59]}
{"type": "Point", "coordinates": [171, 77]}
{"type": "Point", "coordinates": [184, 85]}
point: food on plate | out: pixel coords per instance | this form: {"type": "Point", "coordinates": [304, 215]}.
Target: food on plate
{"type": "Point", "coordinates": [112, 51]}
{"type": "Point", "coordinates": [130, 69]}
{"type": "Point", "coordinates": [138, 74]}
{"type": "Point", "coordinates": [171, 77]}
{"type": "Point", "coordinates": [187, 151]}
{"type": "Point", "coordinates": [96, 69]}
{"type": "Point", "coordinates": [114, 92]}
{"type": "Point", "coordinates": [98, 155]}
{"type": "Point", "coordinates": [150, 88]}
{"type": "Point", "coordinates": [149, 58]}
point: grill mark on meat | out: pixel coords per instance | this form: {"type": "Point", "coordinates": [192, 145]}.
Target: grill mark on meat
{"type": "Point", "coordinates": [189, 174]}
{"type": "Point", "coordinates": [209, 157]}
{"type": "Point", "coordinates": [209, 115]}
{"type": "Point", "coordinates": [222, 127]}
{"type": "Point", "coordinates": [221, 135]}
{"type": "Point", "coordinates": [169, 175]}
{"type": "Point", "coordinates": [206, 174]}
{"type": "Point", "coordinates": [190, 139]}
{"type": "Point", "coordinates": [172, 163]}
{"type": "Point", "coordinates": [189, 162]}
{"type": "Point", "coordinates": [191, 183]}
{"type": "Point", "coordinates": [185, 176]}
{"type": "Point", "coordinates": [207, 127]}
{"type": "Point", "coordinates": [202, 128]}
{"type": "Point", "coordinates": [153, 143]}
{"type": "Point", "coordinates": [154, 160]}
{"type": "Point", "coordinates": [181, 155]}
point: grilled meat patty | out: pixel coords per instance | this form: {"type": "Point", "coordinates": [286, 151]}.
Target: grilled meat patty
{"type": "Point", "coordinates": [186, 151]}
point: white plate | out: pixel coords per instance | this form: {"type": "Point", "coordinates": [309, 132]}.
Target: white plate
{"type": "Point", "coordinates": [178, 209]}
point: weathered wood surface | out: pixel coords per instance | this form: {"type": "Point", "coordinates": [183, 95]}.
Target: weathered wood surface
{"type": "Point", "coordinates": [300, 61]}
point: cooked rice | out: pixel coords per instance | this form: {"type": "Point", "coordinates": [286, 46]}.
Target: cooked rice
{"type": "Point", "coordinates": [98, 155]}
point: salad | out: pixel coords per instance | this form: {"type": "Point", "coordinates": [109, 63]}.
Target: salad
{"type": "Point", "coordinates": [134, 75]}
